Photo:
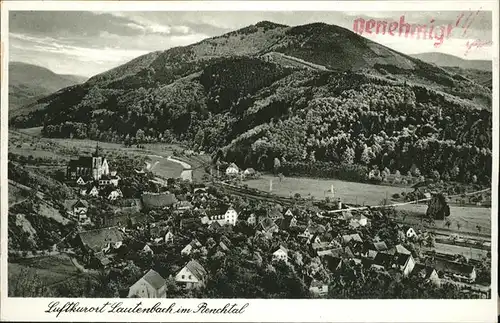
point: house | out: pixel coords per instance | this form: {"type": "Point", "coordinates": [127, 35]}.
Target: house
{"type": "Point", "coordinates": [252, 219]}
{"type": "Point", "coordinates": [106, 180]}
{"type": "Point", "coordinates": [333, 263]}
{"type": "Point", "coordinates": [287, 222]}
{"type": "Point", "coordinates": [158, 200]}
{"type": "Point", "coordinates": [410, 233]}
{"type": "Point", "coordinates": [274, 214]}
{"type": "Point", "coordinates": [77, 208]}
{"type": "Point", "coordinates": [281, 254]}
{"type": "Point", "coordinates": [249, 172]}
{"type": "Point", "coordinates": [268, 225]}
{"type": "Point", "coordinates": [190, 223]}
{"type": "Point", "coordinates": [399, 249]}
{"type": "Point", "coordinates": [405, 263]}
{"type": "Point", "coordinates": [95, 166]}
{"type": "Point", "coordinates": [380, 246]}
{"type": "Point", "coordinates": [318, 288]}
{"type": "Point", "coordinates": [193, 275]}
{"type": "Point", "coordinates": [101, 239]}
{"type": "Point", "coordinates": [232, 170]}
{"type": "Point", "coordinates": [383, 260]}
{"type": "Point", "coordinates": [81, 181]}
{"type": "Point", "coordinates": [289, 213]}
{"type": "Point", "coordinates": [231, 216]}
{"type": "Point", "coordinates": [223, 246]}
{"type": "Point", "coordinates": [183, 206]}
{"type": "Point", "coordinates": [151, 285]}
{"type": "Point", "coordinates": [200, 191]}
{"type": "Point", "coordinates": [93, 192]}
{"type": "Point", "coordinates": [311, 231]}
{"type": "Point", "coordinates": [427, 273]}
{"type": "Point", "coordinates": [214, 226]}
{"type": "Point", "coordinates": [147, 249]}
{"type": "Point", "coordinates": [456, 270]}
{"type": "Point", "coordinates": [169, 237]}
{"type": "Point", "coordinates": [360, 219]}
{"type": "Point", "coordinates": [348, 237]}
{"type": "Point", "coordinates": [194, 244]}
{"type": "Point", "coordinates": [113, 195]}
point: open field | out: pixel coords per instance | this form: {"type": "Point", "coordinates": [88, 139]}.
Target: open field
{"type": "Point", "coordinates": [471, 253]}
{"type": "Point", "coordinates": [348, 192]}
{"type": "Point", "coordinates": [48, 270]}
{"type": "Point", "coordinates": [468, 218]}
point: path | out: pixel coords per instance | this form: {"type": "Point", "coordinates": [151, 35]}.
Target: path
{"type": "Point", "coordinates": [187, 173]}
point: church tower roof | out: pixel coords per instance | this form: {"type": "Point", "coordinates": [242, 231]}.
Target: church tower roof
{"type": "Point", "coordinates": [96, 153]}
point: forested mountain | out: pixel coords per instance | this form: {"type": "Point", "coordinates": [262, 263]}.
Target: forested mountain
{"type": "Point", "coordinates": [28, 82]}
{"type": "Point", "coordinates": [307, 95]}
{"type": "Point", "coordinates": [445, 60]}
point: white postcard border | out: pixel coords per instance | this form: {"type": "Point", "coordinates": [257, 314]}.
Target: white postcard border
{"type": "Point", "coordinates": [24, 309]}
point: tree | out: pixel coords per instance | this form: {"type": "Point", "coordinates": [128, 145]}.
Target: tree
{"type": "Point", "coordinates": [436, 175]}
{"type": "Point", "coordinates": [348, 156]}
{"type": "Point", "coordinates": [438, 208]}
{"type": "Point", "coordinates": [277, 165]}
{"type": "Point", "coordinates": [139, 136]}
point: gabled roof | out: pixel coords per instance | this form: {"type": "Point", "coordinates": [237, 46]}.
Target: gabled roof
{"type": "Point", "coordinates": [284, 223]}
{"type": "Point", "coordinates": [402, 258]}
{"type": "Point", "coordinates": [348, 237]}
{"type": "Point", "coordinates": [154, 200]}
{"type": "Point", "coordinates": [154, 279]}
{"type": "Point", "coordinates": [383, 259]}
{"type": "Point", "coordinates": [453, 267]}
{"type": "Point", "coordinates": [69, 204]}
{"type": "Point", "coordinates": [190, 222]}
{"type": "Point", "coordinates": [332, 262]}
{"type": "Point", "coordinates": [401, 249]}
{"type": "Point", "coordinates": [267, 223]}
{"type": "Point", "coordinates": [380, 246]}
{"type": "Point", "coordinates": [82, 161]}
{"type": "Point", "coordinates": [285, 250]}
{"type": "Point", "coordinates": [99, 238]}
{"type": "Point", "coordinates": [196, 269]}
{"type": "Point", "coordinates": [420, 269]}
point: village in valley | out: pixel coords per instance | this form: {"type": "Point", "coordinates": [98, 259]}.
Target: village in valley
{"type": "Point", "coordinates": [213, 236]}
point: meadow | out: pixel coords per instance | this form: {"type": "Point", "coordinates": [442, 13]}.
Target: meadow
{"type": "Point", "coordinates": [43, 271]}
{"type": "Point", "coordinates": [348, 192]}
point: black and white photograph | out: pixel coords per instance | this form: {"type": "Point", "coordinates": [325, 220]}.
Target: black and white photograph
{"type": "Point", "coordinates": [250, 154]}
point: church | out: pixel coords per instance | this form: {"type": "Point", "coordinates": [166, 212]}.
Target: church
{"type": "Point", "coordinates": [88, 168]}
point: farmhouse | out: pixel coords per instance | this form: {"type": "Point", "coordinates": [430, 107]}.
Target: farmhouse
{"type": "Point", "coordinates": [151, 285]}
{"type": "Point", "coordinates": [77, 208]}
{"type": "Point", "coordinates": [427, 273]}
{"type": "Point", "coordinates": [458, 271]}
{"type": "Point", "coordinates": [318, 288]}
{"type": "Point", "coordinates": [281, 254]}
{"type": "Point", "coordinates": [193, 275]}
{"type": "Point", "coordinates": [194, 244]}
{"type": "Point", "coordinates": [101, 240]}
{"type": "Point", "coordinates": [232, 170]}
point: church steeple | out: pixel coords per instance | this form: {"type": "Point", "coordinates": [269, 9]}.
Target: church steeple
{"type": "Point", "coordinates": [96, 153]}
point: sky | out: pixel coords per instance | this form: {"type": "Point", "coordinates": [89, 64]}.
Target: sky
{"type": "Point", "coordinates": [87, 43]}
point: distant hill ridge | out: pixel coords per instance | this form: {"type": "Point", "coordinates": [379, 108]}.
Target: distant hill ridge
{"type": "Point", "coordinates": [446, 60]}
{"type": "Point", "coordinates": [28, 82]}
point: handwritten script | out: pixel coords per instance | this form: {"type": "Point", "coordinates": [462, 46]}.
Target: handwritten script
{"type": "Point", "coordinates": [58, 308]}
{"type": "Point", "coordinates": [402, 28]}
